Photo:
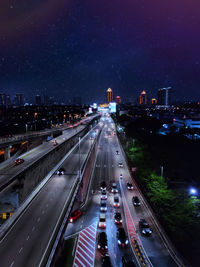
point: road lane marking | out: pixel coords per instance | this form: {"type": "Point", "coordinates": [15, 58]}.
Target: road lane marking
{"type": "Point", "coordinates": [12, 264]}
{"type": "Point", "coordinates": [33, 228]}
{"type": "Point", "coordinates": [20, 250]}
{"type": "Point", "coordinates": [43, 212]}
{"type": "Point", "coordinates": [27, 238]}
{"type": "Point", "coordinates": [38, 219]}
{"type": "Point", "coordinates": [47, 205]}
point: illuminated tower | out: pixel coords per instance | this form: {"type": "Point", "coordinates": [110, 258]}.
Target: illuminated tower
{"type": "Point", "coordinates": [164, 96]}
{"type": "Point", "coordinates": [109, 95]}
{"type": "Point", "coordinates": [153, 101]}
{"type": "Point", "coordinates": [143, 98]}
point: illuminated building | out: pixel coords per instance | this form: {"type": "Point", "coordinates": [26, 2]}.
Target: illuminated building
{"type": "Point", "coordinates": [153, 101]}
{"type": "Point", "coordinates": [109, 95]}
{"type": "Point", "coordinates": [164, 96]}
{"type": "Point", "coordinates": [118, 99]}
{"type": "Point", "coordinates": [18, 100]}
{"type": "Point", "coordinates": [143, 98]}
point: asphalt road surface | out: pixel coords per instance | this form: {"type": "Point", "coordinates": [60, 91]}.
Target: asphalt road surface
{"type": "Point", "coordinates": [25, 243]}
{"type": "Point", "coordinates": [107, 169]}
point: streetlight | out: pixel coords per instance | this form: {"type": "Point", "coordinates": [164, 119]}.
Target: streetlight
{"type": "Point", "coordinates": [26, 136]}
{"type": "Point", "coordinates": [161, 171]}
{"type": "Point", "coordinates": [193, 191]}
{"type": "Point", "coordinates": [79, 158]}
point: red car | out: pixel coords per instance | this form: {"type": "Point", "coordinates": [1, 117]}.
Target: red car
{"type": "Point", "coordinates": [54, 143]}
{"type": "Point", "coordinates": [19, 161]}
{"type": "Point", "coordinates": [75, 215]}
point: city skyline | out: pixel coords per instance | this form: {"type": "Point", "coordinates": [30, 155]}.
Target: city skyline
{"type": "Point", "coordinates": [64, 51]}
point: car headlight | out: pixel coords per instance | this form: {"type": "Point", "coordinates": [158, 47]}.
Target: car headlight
{"type": "Point", "coordinates": [115, 220]}
{"type": "Point", "coordinates": [99, 246]}
{"type": "Point", "coordinates": [126, 242]}
{"type": "Point", "coordinates": [71, 220]}
{"type": "Point", "coordinates": [143, 231]}
{"type": "Point", "coordinates": [120, 220]}
{"type": "Point", "coordinates": [106, 247]}
{"type": "Point", "coordinates": [119, 242]}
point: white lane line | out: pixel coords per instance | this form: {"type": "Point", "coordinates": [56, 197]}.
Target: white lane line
{"type": "Point", "coordinates": [38, 219]}
{"type": "Point", "coordinates": [27, 237]}
{"type": "Point", "coordinates": [20, 250]}
{"type": "Point", "coordinates": [47, 205]}
{"type": "Point", "coordinates": [33, 228]}
{"type": "Point", "coordinates": [12, 264]}
{"type": "Point", "coordinates": [43, 212]}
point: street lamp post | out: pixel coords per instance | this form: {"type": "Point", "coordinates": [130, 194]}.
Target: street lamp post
{"type": "Point", "coordinates": [79, 158]}
{"type": "Point", "coordinates": [26, 136]}
{"type": "Point", "coordinates": [161, 171]}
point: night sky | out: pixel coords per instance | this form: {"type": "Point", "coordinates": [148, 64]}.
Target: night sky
{"type": "Point", "coordinates": [82, 47]}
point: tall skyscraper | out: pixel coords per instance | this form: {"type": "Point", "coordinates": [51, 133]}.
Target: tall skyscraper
{"type": "Point", "coordinates": [164, 96]}
{"type": "Point", "coordinates": [46, 100]}
{"type": "Point", "coordinates": [2, 99]}
{"type": "Point", "coordinates": [118, 99]}
{"type": "Point", "coordinates": [18, 101]}
{"type": "Point", "coordinates": [143, 98]}
{"type": "Point", "coordinates": [109, 95]}
{"type": "Point", "coordinates": [38, 101]}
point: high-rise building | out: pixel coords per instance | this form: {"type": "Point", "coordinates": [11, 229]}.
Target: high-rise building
{"type": "Point", "coordinates": [153, 101]}
{"type": "Point", "coordinates": [143, 98]}
{"type": "Point", "coordinates": [109, 95]}
{"type": "Point", "coordinates": [2, 99]}
{"type": "Point", "coordinates": [46, 100]}
{"type": "Point", "coordinates": [18, 101]}
{"type": "Point", "coordinates": [164, 96]}
{"type": "Point", "coordinates": [38, 101]}
{"type": "Point", "coordinates": [8, 100]}
{"type": "Point", "coordinates": [118, 99]}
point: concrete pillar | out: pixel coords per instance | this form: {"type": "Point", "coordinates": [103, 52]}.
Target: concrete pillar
{"type": "Point", "coordinates": [7, 152]}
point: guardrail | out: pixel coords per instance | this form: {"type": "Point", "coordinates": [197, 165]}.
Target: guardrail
{"type": "Point", "coordinates": [53, 243]}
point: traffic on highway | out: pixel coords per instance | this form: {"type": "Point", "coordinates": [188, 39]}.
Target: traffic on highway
{"type": "Point", "coordinates": [116, 215]}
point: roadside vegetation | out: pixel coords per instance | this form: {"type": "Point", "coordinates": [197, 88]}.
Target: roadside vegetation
{"type": "Point", "coordinates": [172, 205]}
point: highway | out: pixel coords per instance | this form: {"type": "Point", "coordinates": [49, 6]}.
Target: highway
{"type": "Point", "coordinates": [107, 169]}
{"type": "Point", "coordinates": [24, 244]}
{"type": "Point", "coordinates": [7, 172]}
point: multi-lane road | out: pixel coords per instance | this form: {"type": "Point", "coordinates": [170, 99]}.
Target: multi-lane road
{"type": "Point", "coordinates": [25, 243]}
{"type": "Point", "coordinates": [154, 248]}
{"type": "Point", "coordinates": [27, 240]}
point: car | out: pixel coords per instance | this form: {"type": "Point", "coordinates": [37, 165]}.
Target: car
{"type": "Point", "coordinates": [118, 218]}
{"type": "Point", "coordinates": [129, 186]}
{"type": "Point", "coordinates": [105, 261]}
{"type": "Point", "coordinates": [19, 161]}
{"type": "Point", "coordinates": [103, 194]}
{"type": "Point", "coordinates": [120, 164]}
{"type": "Point", "coordinates": [116, 202]}
{"type": "Point", "coordinates": [103, 185]}
{"type": "Point", "coordinates": [102, 242]}
{"type": "Point", "coordinates": [127, 262]}
{"type": "Point", "coordinates": [144, 227]}
{"type": "Point", "coordinates": [61, 171]}
{"type": "Point", "coordinates": [54, 143]}
{"type": "Point", "coordinates": [122, 239]}
{"type": "Point", "coordinates": [103, 206]}
{"type": "Point", "coordinates": [136, 201]}
{"type": "Point", "coordinates": [114, 188]}
{"type": "Point", "coordinates": [102, 220]}
{"type": "Point", "coordinates": [75, 215]}
{"type": "Point", "coordinates": [117, 152]}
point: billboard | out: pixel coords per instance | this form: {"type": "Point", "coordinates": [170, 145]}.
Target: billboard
{"type": "Point", "coordinates": [112, 107]}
